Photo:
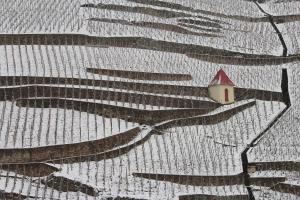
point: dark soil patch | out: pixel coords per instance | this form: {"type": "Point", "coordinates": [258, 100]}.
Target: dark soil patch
{"type": "Point", "coordinates": [30, 169]}
{"type": "Point", "coordinates": [64, 184]}
{"type": "Point", "coordinates": [153, 25]}
{"type": "Point", "coordinates": [137, 75]}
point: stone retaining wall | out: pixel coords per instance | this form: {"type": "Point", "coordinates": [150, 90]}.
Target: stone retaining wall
{"type": "Point", "coordinates": [213, 197]}
{"type": "Point", "coordinates": [211, 180]}
{"type": "Point", "coordinates": [206, 120]}
{"type": "Point", "coordinates": [241, 93]}
{"type": "Point", "coordinates": [279, 165]}
{"type": "Point", "coordinates": [13, 196]}
{"type": "Point", "coordinates": [142, 87]}
{"type": "Point", "coordinates": [266, 181]}
{"type": "Point", "coordinates": [129, 114]}
{"type": "Point", "coordinates": [46, 153]}
{"type": "Point", "coordinates": [64, 184]}
{"type": "Point", "coordinates": [137, 75]}
{"type": "Point", "coordinates": [84, 93]}
{"type": "Point", "coordinates": [104, 155]}
{"type": "Point", "coordinates": [195, 180]}
{"type": "Point", "coordinates": [287, 188]}
{"type": "Point", "coordinates": [30, 169]}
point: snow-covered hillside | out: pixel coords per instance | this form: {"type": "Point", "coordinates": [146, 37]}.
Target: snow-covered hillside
{"type": "Point", "coordinates": [106, 136]}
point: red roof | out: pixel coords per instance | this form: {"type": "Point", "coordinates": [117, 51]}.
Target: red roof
{"type": "Point", "coordinates": [221, 79]}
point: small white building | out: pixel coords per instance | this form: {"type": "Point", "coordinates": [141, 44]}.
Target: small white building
{"type": "Point", "coordinates": [221, 88]}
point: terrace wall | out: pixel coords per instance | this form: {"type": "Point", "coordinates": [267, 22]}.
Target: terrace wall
{"type": "Point", "coordinates": [129, 114]}
{"type": "Point", "coordinates": [84, 93]}
{"type": "Point", "coordinates": [47, 153]}
{"type": "Point", "coordinates": [240, 93]}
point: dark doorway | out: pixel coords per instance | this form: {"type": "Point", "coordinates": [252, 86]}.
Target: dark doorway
{"type": "Point", "coordinates": [226, 95]}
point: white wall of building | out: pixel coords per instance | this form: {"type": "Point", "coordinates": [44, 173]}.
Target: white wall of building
{"type": "Point", "coordinates": [217, 93]}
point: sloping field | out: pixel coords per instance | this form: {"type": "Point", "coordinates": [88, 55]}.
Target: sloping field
{"type": "Point", "coordinates": [108, 99]}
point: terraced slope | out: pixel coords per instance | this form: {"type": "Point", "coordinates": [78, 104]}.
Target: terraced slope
{"type": "Point", "coordinates": [108, 99]}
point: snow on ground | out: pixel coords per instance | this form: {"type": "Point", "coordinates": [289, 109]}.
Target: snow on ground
{"type": "Point", "coordinates": [71, 61]}
{"type": "Point", "coordinates": [283, 7]}
{"type": "Point", "coordinates": [190, 150]}
{"type": "Point", "coordinates": [263, 193]}
{"type": "Point", "coordinates": [11, 182]}
{"type": "Point", "coordinates": [294, 77]}
{"type": "Point", "coordinates": [235, 35]}
{"type": "Point", "coordinates": [95, 87]}
{"type": "Point", "coordinates": [239, 7]}
{"type": "Point", "coordinates": [230, 106]}
{"type": "Point", "coordinates": [34, 16]}
{"type": "Point", "coordinates": [32, 127]}
{"type": "Point", "coordinates": [53, 16]}
{"type": "Point", "coordinates": [198, 150]}
{"type": "Point", "coordinates": [130, 105]}
{"type": "Point", "coordinates": [281, 142]}
{"type": "Point", "coordinates": [217, 6]}
{"type": "Point", "coordinates": [293, 32]}
{"type": "Point", "coordinates": [144, 189]}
